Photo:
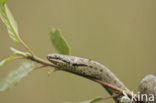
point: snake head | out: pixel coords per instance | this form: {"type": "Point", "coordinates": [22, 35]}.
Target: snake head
{"type": "Point", "coordinates": [60, 59]}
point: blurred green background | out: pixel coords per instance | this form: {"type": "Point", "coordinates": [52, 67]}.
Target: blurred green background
{"type": "Point", "coordinates": [121, 34]}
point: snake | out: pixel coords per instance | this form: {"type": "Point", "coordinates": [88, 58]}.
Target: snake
{"type": "Point", "coordinates": [86, 68]}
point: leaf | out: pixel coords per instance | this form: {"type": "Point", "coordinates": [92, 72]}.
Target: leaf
{"type": "Point", "coordinates": [3, 1]}
{"type": "Point", "coordinates": [94, 100]}
{"type": "Point", "coordinates": [51, 71]}
{"type": "Point", "coordinates": [14, 77]}
{"type": "Point", "coordinates": [9, 22]}
{"type": "Point", "coordinates": [59, 43]}
{"type": "Point", "coordinates": [6, 60]}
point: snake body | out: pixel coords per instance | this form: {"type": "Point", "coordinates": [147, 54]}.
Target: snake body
{"type": "Point", "coordinates": [86, 68]}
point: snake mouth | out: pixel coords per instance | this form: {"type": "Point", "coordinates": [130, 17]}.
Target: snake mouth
{"type": "Point", "coordinates": [56, 60]}
{"type": "Point", "coordinates": [53, 60]}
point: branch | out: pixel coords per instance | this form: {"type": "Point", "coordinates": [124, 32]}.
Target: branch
{"type": "Point", "coordinates": [115, 86]}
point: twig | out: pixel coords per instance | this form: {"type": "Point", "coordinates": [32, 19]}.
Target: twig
{"type": "Point", "coordinates": [41, 61]}
{"type": "Point", "coordinates": [115, 88]}
{"type": "Point", "coordinates": [105, 84]}
{"type": "Point", "coordinates": [27, 48]}
{"type": "Point", "coordinates": [39, 67]}
{"type": "Point", "coordinates": [113, 96]}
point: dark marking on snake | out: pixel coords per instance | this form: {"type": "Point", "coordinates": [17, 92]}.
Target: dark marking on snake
{"type": "Point", "coordinates": [79, 65]}
{"type": "Point", "coordinates": [101, 70]}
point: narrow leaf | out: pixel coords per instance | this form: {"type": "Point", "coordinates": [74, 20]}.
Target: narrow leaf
{"type": "Point", "coordinates": [6, 60]}
{"type": "Point", "coordinates": [58, 42]}
{"type": "Point", "coordinates": [94, 100]}
{"type": "Point", "coordinates": [9, 22]}
{"type": "Point", "coordinates": [14, 77]}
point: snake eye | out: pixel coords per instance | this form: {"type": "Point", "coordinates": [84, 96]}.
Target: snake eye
{"type": "Point", "coordinates": [55, 57]}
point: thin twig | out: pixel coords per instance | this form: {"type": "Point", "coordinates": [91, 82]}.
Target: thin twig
{"type": "Point", "coordinates": [41, 61]}
{"type": "Point", "coordinates": [19, 58]}
{"type": "Point", "coordinates": [113, 96]}
{"type": "Point", "coordinates": [27, 48]}
{"type": "Point", "coordinates": [114, 88]}
{"type": "Point", "coordinates": [39, 67]}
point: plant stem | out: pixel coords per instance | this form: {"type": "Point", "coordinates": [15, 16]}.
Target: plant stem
{"type": "Point", "coordinates": [27, 48]}
{"type": "Point", "coordinates": [41, 61]}
{"type": "Point", "coordinates": [46, 63]}
{"type": "Point", "coordinates": [113, 96]}
{"type": "Point", "coordinates": [115, 88]}
{"type": "Point", "coordinates": [39, 67]}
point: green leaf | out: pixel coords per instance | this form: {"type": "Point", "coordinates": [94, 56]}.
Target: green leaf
{"type": "Point", "coordinates": [59, 43]}
{"type": "Point", "coordinates": [9, 22]}
{"type": "Point", "coordinates": [94, 100]}
{"type": "Point", "coordinates": [3, 1]}
{"type": "Point", "coordinates": [51, 71]}
{"type": "Point", "coordinates": [14, 77]}
{"type": "Point", "coordinates": [6, 60]}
